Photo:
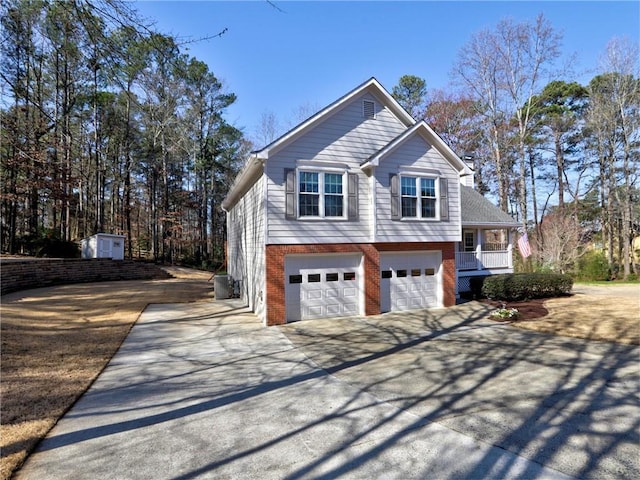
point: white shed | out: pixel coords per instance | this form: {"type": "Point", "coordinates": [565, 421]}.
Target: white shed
{"type": "Point", "coordinates": [103, 245]}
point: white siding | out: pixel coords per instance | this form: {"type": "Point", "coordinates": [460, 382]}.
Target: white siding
{"type": "Point", "coordinates": [345, 138]}
{"type": "Point", "coordinates": [246, 248]}
{"type": "Point", "coordinates": [416, 153]}
{"type": "Point", "coordinates": [467, 181]}
{"type": "Point", "coordinates": [103, 245]}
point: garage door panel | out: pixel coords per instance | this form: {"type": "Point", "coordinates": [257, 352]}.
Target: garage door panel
{"type": "Point", "coordinates": [349, 292]}
{"type": "Point", "coordinates": [333, 309]}
{"type": "Point", "coordinates": [350, 309]}
{"type": "Point", "coordinates": [314, 294]}
{"type": "Point", "coordinates": [330, 286]}
{"type": "Point", "coordinates": [407, 285]}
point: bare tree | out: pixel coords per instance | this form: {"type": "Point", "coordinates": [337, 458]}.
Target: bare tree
{"type": "Point", "coordinates": [477, 71]}
{"type": "Point", "coordinates": [504, 69]}
{"type": "Point", "coordinates": [267, 130]}
{"type": "Point", "coordinates": [301, 113]}
{"type": "Point", "coordinates": [613, 119]}
{"type": "Point", "coordinates": [454, 116]}
{"type": "Point", "coordinates": [563, 241]}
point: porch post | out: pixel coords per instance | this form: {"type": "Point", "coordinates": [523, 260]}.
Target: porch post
{"type": "Point", "coordinates": [479, 249]}
{"type": "Point", "coordinates": [509, 249]}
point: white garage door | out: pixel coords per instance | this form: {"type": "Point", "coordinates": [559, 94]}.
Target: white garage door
{"type": "Point", "coordinates": [410, 281]}
{"type": "Point", "coordinates": [321, 286]}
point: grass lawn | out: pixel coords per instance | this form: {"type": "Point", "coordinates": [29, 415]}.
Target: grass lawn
{"type": "Point", "coordinates": [602, 311]}
{"type": "Point", "coordinates": [56, 341]}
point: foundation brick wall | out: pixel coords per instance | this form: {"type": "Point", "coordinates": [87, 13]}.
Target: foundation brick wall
{"type": "Point", "coordinates": [275, 258]}
{"type": "Point", "coordinates": [18, 275]}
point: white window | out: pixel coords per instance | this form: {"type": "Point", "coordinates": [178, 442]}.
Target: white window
{"type": "Point", "coordinates": [469, 240]}
{"type": "Point", "coordinates": [418, 197]}
{"type": "Point", "coordinates": [321, 194]}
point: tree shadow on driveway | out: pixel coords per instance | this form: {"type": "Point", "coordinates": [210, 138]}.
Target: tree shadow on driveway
{"type": "Point", "coordinates": [424, 394]}
{"type": "Point", "coordinates": [568, 404]}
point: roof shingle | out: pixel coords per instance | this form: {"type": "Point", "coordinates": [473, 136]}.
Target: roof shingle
{"type": "Point", "coordinates": [477, 210]}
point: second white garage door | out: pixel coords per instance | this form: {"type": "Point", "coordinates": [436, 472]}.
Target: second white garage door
{"type": "Point", "coordinates": [322, 286]}
{"type": "Point", "coordinates": [410, 280]}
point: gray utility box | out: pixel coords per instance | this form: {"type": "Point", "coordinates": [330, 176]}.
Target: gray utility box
{"type": "Point", "coordinates": [221, 286]}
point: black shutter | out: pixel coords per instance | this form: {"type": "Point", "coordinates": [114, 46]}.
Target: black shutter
{"type": "Point", "coordinates": [352, 196]}
{"type": "Point", "coordinates": [395, 196]}
{"type": "Point", "coordinates": [444, 199]}
{"type": "Point", "coordinates": [290, 193]}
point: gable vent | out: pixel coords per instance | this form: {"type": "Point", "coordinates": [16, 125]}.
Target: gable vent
{"type": "Point", "coordinates": [368, 109]}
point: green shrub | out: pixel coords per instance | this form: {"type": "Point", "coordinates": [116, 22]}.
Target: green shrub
{"type": "Point", "coordinates": [594, 267]}
{"type": "Point", "coordinates": [55, 248]}
{"type": "Point", "coordinates": [47, 245]}
{"type": "Point", "coordinates": [525, 286]}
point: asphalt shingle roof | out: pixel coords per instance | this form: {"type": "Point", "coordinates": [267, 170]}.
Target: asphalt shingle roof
{"type": "Point", "coordinates": [477, 210]}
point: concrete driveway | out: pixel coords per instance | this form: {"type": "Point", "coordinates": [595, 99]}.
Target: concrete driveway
{"type": "Point", "coordinates": [203, 391]}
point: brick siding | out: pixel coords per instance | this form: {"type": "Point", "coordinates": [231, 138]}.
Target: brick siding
{"type": "Point", "coordinates": [275, 257]}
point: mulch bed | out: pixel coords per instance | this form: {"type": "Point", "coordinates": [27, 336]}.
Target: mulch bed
{"type": "Point", "coordinates": [529, 309]}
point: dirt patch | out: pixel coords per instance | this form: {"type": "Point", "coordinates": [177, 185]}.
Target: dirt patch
{"type": "Point", "coordinates": [55, 342]}
{"type": "Point", "coordinates": [606, 313]}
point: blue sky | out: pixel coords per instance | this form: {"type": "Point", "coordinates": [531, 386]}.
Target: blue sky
{"type": "Point", "coordinates": [311, 53]}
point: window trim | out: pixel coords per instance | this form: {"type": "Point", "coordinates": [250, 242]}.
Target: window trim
{"type": "Point", "coordinates": [321, 193]}
{"type": "Point", "coordinates": [465, 236]}
{"type": "Point", "coordinates": [419, 198]}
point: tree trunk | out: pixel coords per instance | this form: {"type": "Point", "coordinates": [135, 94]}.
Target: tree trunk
{"type": "Point", "coordinates": [560, 169]}
{"type": "Point", "coordinates": [127, 174]}
{"type": "Point", "coordinates": [534, 199]}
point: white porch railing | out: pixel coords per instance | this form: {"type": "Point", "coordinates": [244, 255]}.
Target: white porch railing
{"type": "Point", "coordinates": [481, 260]}
{"type": "Point", "coordinates": [495, 259]}
{"type": "Point", "coordinates": [466, 261]}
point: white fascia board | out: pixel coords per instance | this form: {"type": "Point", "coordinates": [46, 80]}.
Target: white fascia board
{"type": "Point", "coordinates": [241, 185]}
{"type": "Point", "coordinates": [391, 103]}
{"type": "Point", "coordinates": [372, 85]}
{"type": "Point", "coordinates": [434, 140]}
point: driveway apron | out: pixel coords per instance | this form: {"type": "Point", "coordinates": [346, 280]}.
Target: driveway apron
{"type": "Point", "coordinates": [202, 390]}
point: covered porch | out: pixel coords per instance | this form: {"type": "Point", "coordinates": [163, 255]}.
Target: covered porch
{"type": "Point", "coordinates": [482, 252]}
{"type": "Point", "coordinates": [486, 244]}
{"type": "Point", "coordinates": [482, 249]}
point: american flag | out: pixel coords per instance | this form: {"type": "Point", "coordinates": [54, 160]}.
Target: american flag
{"type": "Point", "coordinates": [523, 245]}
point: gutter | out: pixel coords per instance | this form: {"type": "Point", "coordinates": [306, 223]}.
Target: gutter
{"type": "Point", "coordinates": [252, 170]}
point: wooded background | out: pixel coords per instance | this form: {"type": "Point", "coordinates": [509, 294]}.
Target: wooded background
{"type": "Point", "coordinates": [107, 126]}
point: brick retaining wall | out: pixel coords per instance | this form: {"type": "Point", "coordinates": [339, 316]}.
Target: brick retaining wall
{"type": "Point", "coordinates": [18, 275]}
